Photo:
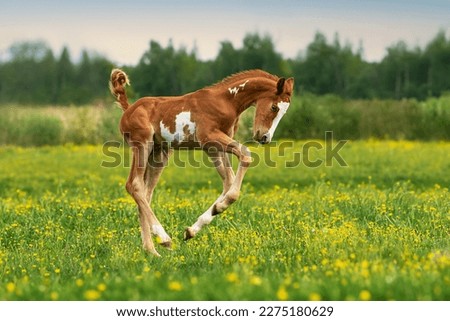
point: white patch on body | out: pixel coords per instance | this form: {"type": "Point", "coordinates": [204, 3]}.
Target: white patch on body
{"type": "Point", "coordinates": [182, 120]}
{"type": "Point", "coordinates": [235, 90]}
{"type": "Point", "coordinates": [283, 105]}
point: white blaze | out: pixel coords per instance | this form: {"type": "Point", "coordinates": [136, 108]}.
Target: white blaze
{"type": "Point", "coordinates": [283, 105]}
{"type": "Point", "coordinates": [182, 120]}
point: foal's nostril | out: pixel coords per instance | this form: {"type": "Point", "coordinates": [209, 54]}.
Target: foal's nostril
{"type": "Point", "coordinates": [264, 139]}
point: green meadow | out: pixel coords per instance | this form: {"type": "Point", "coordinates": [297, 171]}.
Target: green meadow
{"type": "Point", "coordinates": [374, 228]}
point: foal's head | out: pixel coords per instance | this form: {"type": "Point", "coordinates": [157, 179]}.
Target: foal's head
{"type": "Point", "coordinates": [270, 109]}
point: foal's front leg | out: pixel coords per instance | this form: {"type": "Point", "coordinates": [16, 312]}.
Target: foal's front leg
{"type": "Point", "coordinates": [243, 153]}
{"type": "Point", "coordinates": [232, 184]}
{"type": "Point", "coordinates": [223, 167]}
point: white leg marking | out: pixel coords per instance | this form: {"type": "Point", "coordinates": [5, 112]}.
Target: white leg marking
{"type": "Point", "coordinates": [159, 231]}
{"type": "Point", "coordinates": [203, 220]}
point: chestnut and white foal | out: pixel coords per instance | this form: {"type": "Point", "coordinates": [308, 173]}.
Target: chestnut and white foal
{"type": "Point", "coordinates": [206, 119]}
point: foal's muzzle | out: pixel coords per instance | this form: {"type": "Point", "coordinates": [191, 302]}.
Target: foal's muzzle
{"type": "Point", "coordinates": [264, 139]}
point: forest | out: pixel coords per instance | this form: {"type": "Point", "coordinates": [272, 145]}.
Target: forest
{"type": "Point", "coordinates": [32, 74]}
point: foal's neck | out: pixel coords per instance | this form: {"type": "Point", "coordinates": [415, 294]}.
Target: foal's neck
{"type": "Point", "coordinates": [243, 93]}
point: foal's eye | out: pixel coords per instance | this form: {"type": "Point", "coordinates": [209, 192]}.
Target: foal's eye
{"type": "Point", "coordinates": [275, 108]}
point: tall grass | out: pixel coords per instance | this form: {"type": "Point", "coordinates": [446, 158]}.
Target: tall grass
{"type": "Point", "coordinates": [375, 230]}
{"type": "Point", "coordinates": [308, 118]}
{"type": "Point", "coordinates": [32, 126]}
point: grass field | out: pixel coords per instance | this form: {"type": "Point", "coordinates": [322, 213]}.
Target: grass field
{"type": "Point", "coordinates": [377, 229]}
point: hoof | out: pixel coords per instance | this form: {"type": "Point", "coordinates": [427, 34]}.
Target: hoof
{"type": "Point", "coordinates": [155, 253]}
{"type": "Point", "coordinates": [152, 251]}
{"type": "Point", "coordinates": [167, 245]}
{"type": "Point", "coordinates": [188, 234]}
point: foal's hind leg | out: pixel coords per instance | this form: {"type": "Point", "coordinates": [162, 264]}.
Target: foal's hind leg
{"type": "Point", "coordinates": [157, 162]}
{"type": "Point", "coordinates": [136, 187]}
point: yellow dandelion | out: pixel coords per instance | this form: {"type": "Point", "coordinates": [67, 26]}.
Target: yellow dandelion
{"type": "Point", "coordinates": [365, 264]}
{"type": "Point", "coordinates": [101, 287]}
{"type": "Point", "coordinates": [10, 287]}
{"type": "Point", "coordinates": [282, 294]}
{"type": "Point", "coordinates": [255, 280]}
{"type": "Point", "coordinates": [79, 282]}
{"type": "Point", "coordinates": [57, 271]}
{"type": "Point", "coordinates": [92, 295]}
{"type": "Point", "coordinates": [232, 277]}
{"type": "Point", "coordinates": [194, 280]}
{"type": "Point", "coordinates": [54, 296]}
{"type": "Point", "coordinates": [313, 296]}
{"type": "Point", "coordinates": [175, 286]}
{"type": "Point", "coordinates": [365, 295]}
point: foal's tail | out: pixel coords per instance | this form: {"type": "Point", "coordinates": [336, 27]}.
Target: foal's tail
{"type": "Point", "coordinates": [117, 83]}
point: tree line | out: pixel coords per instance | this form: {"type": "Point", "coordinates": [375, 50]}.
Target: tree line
{"type": "Point", "coordinates": [32, 74]}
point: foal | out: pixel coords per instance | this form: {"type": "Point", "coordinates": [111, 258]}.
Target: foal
{"type": "Point", "coordinates": [205, 119]}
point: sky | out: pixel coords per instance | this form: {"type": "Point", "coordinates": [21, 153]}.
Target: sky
{"type": "Point", "coordinates": [121, 30]}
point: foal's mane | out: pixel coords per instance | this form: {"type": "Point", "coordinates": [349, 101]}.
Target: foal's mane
{"type": "Point", "coordinates": [245, 75]}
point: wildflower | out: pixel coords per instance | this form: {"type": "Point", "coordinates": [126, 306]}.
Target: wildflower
{"type": "Point", "coordinates": [10, 287]}
{"type": "Point", "coordinates": [232, 277]}
{"type": "Point", "coordinates": [92, 295]}
{"type": "Point", "coordinates": [365, 264]}
{"type": "Point", "coordinates": [282, 294]}
{"type": "Point", "coordinates": [79, 282]}
{"type": "Point", "coordinates": [313, 296]}
{"type": "Point", "coordinates": [255, 280]}
{"type": "Point", "coordinates": [101, 287]}
{"type": "Point", "coordinates": [54, 295]}
{"type": "Point", "coordinates": [175, 286]}
{"type": "Point", "coordinates": [365, 295]}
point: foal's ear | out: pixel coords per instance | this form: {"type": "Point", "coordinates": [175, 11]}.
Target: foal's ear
{"type": "Point", "coordinates": [280, 86]}
{"type": "Point", "coordinates": [290, 84]}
